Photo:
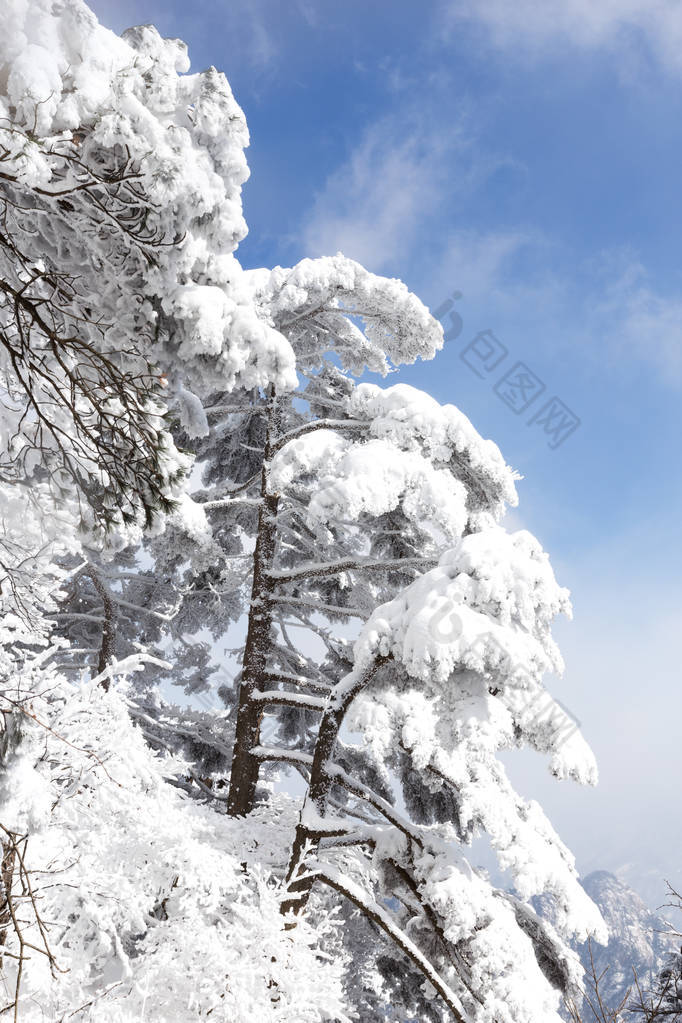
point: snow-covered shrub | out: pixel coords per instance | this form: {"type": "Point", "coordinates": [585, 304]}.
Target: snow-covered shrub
{"type": "Point", "coordinates": [152, 905]}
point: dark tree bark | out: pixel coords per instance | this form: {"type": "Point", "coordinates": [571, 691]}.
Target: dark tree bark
{"type": "Point", "coordinates": [321, 781]}
{"type": "Point", "coordinates": [106, 650]}
{"type": "Point", "coordinates": [245, 766]}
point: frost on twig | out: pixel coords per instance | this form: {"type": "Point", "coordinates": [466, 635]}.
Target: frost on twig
{"type": "Point", "coordinates": [22, 929]}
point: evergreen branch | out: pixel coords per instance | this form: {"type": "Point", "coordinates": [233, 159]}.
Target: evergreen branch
{"type": "Point", "coordinates": [318, 424]}
{"type": "Point", "coordinates": [285, 756]}
{"type": "Point", "coordinates": [344, 612]}
{"type": "Point", "coordinates": [280, 696]}
{"type": "Point", "coordinates": [317, 871]}
{"type": "Point", "coordinates": [320, 570]}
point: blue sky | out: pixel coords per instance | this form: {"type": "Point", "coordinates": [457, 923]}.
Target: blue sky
{"type": "Point", "coordinates": [528, 156]}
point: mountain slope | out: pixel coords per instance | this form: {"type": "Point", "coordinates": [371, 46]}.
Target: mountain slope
{"type": "Point", "coordinates": [637, 939]}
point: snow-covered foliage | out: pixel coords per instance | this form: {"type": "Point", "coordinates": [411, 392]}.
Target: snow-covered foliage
{"type": "Point", "coordinates": [482, 617]}
{"type": "Point", "coordinates": [463, 650]}
{"type": "Point", "coordinates": [340, 545]}
{"type": "Point", "coordinates": [153, 905]}
{"type": "Point", "coordinates": [121, 209]}
{"type": "Point", "coordinates": [415, 421]}
{"type": "Point", "coordinates": [317, 303]}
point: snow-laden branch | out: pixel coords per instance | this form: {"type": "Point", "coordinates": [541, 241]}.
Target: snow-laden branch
{"type": "Point", "coordinates": [135, 662]}
{"type": "Point", "coordinates": [378, 915]}
{"type": "Point", "coordinates": [160, 724]}
{"type": "Point", "coordinates": [343, 612]}
{"type": "Point", "coordinates": [299, 680]}
{"type": "Point", "coordinates": [227, 502]}
{"type": "Point", "coordinates": [159, 615]}
{"type": "Point", "coordinates": [280, 696]}
{"type": "Point", "coordinates": [286, 756]}
{"type": "Point", "coordinates": [228, 492]}
{"type": "Point", "coordinates": [319, 424]}
{"type": "Point", "coordinates": [356, 788]}
{"type": "Point", "coordinates": [313, 570]}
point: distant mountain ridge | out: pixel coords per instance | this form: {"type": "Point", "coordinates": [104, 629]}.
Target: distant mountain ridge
{"type": "Point", "coordinates": [637, 941]}
{"type": "Point", "coordinates": [649, 882]}
{"type": "Point", "coordinates": [637, 937]}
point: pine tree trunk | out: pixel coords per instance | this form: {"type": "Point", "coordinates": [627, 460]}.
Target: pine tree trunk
{"type": "Point", "coordinates": [245, 766]}
{"type": "Point", "coordinates": [299, 882]}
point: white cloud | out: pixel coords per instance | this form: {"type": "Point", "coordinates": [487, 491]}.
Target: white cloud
{"type": "Point", "coordinates": [639, 318]}
{"type": "Point", "coordinates": [475, 262]}
{"type": "Point", "coordinates": [393, 187]}
{"type": "Point", "coordinates": [616, 25]}
{"type": "Point", "coordinates": [372, 207]}
{"type": "Point", "coordinates": [610, 307]}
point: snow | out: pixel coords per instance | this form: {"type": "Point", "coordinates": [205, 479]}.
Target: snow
{"type": "Point", "coordinates": [354, 479]}
{"type": "Point", "coordinates": [315, 299]}
{"type": "Point", "coordinates": [413, 419]}
{"type": "Point", "coordinates": [487, 605]}
{"type": "Point", "coordinates": [165, 920]}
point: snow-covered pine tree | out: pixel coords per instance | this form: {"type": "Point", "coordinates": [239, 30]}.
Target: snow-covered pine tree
{"type": "Point", "coordinates": [443, 676]}
{"type": "Point", "coordinates": [312, 575]}
{"type": "Point", "coordinates": [331, 501]}
{"type": "Point", "coordinates": [330, 509]}
{"type": "Point", "coordinates": [342, 495]}
{"type": "Point", "coordinates": [225, 573]}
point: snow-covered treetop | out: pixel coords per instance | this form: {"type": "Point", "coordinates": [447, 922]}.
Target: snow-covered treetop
{"type": "Point", "coordinates": [86, 113]}
{"type": "Point", "coordinates": [69, 80]}
{"type": "Point", "coordinates": [317, 305]}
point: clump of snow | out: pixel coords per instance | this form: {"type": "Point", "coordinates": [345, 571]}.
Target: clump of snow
{"type": "Point", "coordinates": [487, 605]}
{"type": "Point", "coordinates": [374, 477]}
{"type": "Point", "coordinates": [413, 419]}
